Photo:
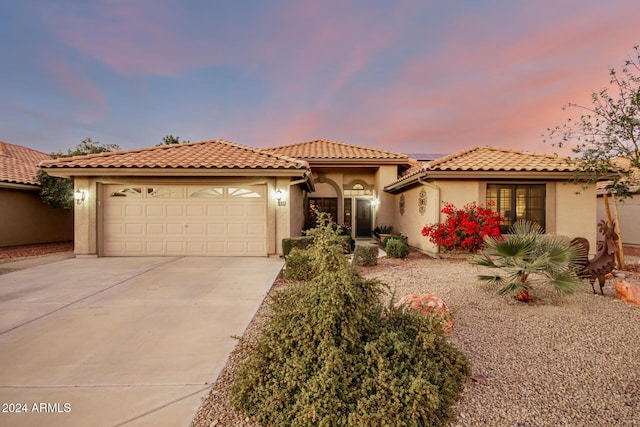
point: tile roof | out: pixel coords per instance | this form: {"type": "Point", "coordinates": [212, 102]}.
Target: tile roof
{"type": "Point", "coordinates": [500, 159]}
{"type": "Point", "coordinates": [323, 149]}
{"type": "Point", "coordinates": [485, 159]}
{"type": "Point", "coordinates": [212, 154]}
{"type": "Point", "coordinates": [19, 165]}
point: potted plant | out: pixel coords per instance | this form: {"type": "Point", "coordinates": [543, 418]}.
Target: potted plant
{"type": "Point", "coordinates": [528, 257]}
{"type": "Point", "coordinates": [382, 231]}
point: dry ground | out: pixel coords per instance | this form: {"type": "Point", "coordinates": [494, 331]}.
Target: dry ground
{"type": "Point", "coordinates": [561, 361]}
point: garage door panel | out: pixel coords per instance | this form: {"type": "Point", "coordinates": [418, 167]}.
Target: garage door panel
{"type": "Point", "coordinates": [155, 228]}
{"type": "Point", "coordinates": [155, 210]}
{"type": "Point", "coordinates": [257, 247]}
{"type": "Point", "coordinates": [134, 247]}
{"type": "Point", "coordinates": [215, 210]}
{"type": "Point", "coordinates": [216, 228]}
{"type": "Point", "coordinates": [174, 210]}
{"type": "Point", "coordinates": [255, 210]}
{"type": "Point", "coordinates": [134, 210]}
{"type": "Point", "coordinates": [181, 220]}
{"type": "Point", "coordinates": [236, 210]}
{"type": "Point", "coordinates": [134, 228]}
{"type": "Point", "coordinates": [155, 247]}
{"type": "Point", "coordinates": [237, 228]}
{"type": "Point", "coordinates": [215, 247]}
{"type": "Point", "coordinates": [256, 230]}
{"type": "Point", "coordinates": [175, 228]}
{"type": "Point", "coordinates": [196, 210]}
{"type": "Point", "coordinates": [195, 229]}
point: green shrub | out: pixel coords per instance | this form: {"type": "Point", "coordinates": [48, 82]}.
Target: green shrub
{"type": "Point", "coordinates": [365, 255]}
{"type": "Point", "coordinates": [297, 265]}
{"type": "Point", "coordinates": [396, 249]}
{"type": "Point", "coordinates": [332, 354]}
{"type": "Point", "coordinates": [400, 237]}
{"type": "Point", "coordinates": [301, 242]}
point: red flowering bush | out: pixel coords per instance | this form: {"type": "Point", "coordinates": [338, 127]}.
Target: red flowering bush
{"type": "Point", "coordinates": [464, 229]}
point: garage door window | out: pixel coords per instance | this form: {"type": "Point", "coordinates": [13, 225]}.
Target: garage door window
{"type": "Point", "coordinates": [164, 192]}
{"type": "Point", "coordinates": [243, 192]}
{"type": "Point", "coordinates": [127, 192]}
{"type": "Point", "coordinates": [207, 192]}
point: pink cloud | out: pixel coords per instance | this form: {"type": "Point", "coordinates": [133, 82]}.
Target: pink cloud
{"type": "Point", "coordinates": [74, 82]}
{"type": "Point", "coordinates": [132, 38]}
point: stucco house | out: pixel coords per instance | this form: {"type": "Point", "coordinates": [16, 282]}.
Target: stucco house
{"type": "Point", "coordinates": [220, 198]}
{"type": "Point", "coordinates": [521, 185]}
{"type": "Point", "coordinates": [24, 218]}
{"type": "Point", "coordinates": [628, 208]}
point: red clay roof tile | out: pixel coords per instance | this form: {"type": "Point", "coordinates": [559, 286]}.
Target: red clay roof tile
{"type": "Point", "coordinates": [214, 154]}
{"type": "Point", "coordinates": [19, 165]}
{"type": "Point", "coordinates": [326, 149]}
{"type": "Point", "coordinates": [500, 159]}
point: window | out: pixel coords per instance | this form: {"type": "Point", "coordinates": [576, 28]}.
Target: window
{"type": "Point", "coordinates": [127, 192]}
{"type": "Point", "coordinates": [518, 201]}
{"type": "Point", "coordinates": [347, 211]}
{"type": "Point", "coordinates": [242, 192]}
{"type": "Point", "coordinates": [209, 192]}
{"type": "Point", "coordinates": [164, 192]}
{"type": "Point", "coordinates": [327, 204]}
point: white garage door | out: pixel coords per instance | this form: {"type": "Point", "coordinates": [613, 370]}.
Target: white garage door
{"type": "Point", "coordinates": [214, 220]}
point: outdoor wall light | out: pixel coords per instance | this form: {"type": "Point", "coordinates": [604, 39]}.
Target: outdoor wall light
{"type": "Point", "coordinates": [374, 202]}
{"type": "Point", "coordinates": [280, 195]}
{"type": "Point", "coordinates": [78, 196]}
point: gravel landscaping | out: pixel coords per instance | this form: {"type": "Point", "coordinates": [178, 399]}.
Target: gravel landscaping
{"type": "Point", "coordinates": [561, 361]}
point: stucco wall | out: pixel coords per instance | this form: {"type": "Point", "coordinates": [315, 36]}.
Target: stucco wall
{"type": "Point", "coordinates": [629, 216]}
{"type": "Point", "coordinates": [26, 220]}
{"type": "Point", "coordinates": [384, 213]}
{"type": "Point", "coordinates": [571, 209]}
{"type": "Point", "coordinates": [576, 212]}
{"type": "Point", "coordinates": [411, 222]}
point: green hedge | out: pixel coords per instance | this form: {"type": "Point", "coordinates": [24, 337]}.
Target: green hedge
{"type": "Point", "coordinates": [302, 242]}
{"type": "Point", "coordinates": [396, 249]}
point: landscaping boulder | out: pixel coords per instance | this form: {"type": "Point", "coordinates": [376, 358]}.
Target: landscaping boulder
{"type": "Point", "coordinates": [430, 304]}
{"type": "Point", "coordinates": [628, 292]}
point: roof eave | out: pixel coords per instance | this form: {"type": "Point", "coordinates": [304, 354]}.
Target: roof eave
{"type": "Point", "coordinates": [355, 162]}
{"type": "Point", "coordinates": [19, 186]}
{"type": "Point", "coordinates": [239, 172]}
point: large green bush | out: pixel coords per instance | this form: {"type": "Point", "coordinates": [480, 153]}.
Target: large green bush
{"type": "Point", "coordinates": [297, 265]}
{"type": "Point", "coordinates": [332, 354]}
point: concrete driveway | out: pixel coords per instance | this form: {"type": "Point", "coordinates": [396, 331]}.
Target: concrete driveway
{"type": "Point", "coordinates": [121, 341]}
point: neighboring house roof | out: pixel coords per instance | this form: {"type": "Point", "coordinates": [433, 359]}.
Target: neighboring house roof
{"type": "Point", "coordinates": [329, 152]}
{"type": "Point", "coordinates": [19, 165]}
{"type": "Point", "coordinates": [489, 162]}
{"type": "Point", "coordinates": [203, 155]}
{"type": "Point", "coordinates": [632, 181]}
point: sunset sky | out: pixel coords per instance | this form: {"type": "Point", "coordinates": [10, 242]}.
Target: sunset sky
{"type": "Point", "coordinates": [412, 76]}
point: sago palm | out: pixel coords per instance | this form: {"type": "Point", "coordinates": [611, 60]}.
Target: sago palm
{"type": "Point", "coordinates": [528, 257]}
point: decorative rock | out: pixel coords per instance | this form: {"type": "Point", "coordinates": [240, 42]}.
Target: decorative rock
{"type": "Point", "coordinates": [430, 304]}
{"type": "Point", "coordinates": [628, 292]}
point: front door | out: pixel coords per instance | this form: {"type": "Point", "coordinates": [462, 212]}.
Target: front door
{"type": "Point", "coordinates": [363, 218]}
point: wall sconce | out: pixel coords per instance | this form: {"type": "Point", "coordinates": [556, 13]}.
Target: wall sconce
{"type": "Point", "coordinates": [281, 196]}
{"type": "Point", "coordinates": [375, 203]}
{"type": "Point", "coordinates": [78, 196]}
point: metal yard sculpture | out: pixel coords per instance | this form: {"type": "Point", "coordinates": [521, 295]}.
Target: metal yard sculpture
{"type": "Point", "coordinates": [604, 262]}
